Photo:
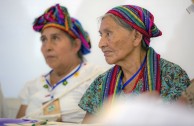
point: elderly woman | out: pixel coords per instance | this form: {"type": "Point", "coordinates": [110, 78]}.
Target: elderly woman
{"type": "Point", "coordinates": [57, 93]}
{"type": "Point", "coordinates": [125, 37]}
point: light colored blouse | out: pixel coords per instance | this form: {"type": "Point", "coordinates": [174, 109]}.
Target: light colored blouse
{"type": "Point", "coordinates": [35, 94]}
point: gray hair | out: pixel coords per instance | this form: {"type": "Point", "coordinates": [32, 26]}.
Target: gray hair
{"type": "Point", "coordinates": [119, 21]}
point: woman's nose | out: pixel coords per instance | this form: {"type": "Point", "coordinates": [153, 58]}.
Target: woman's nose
{"type": "Point", "coordinates": [48, 46]}
{"type": "Point", "coordinates": [102, 42]}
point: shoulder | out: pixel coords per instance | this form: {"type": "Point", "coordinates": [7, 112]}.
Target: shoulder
{"type": "Point", "coordinates": [30, 88]}
{"type": "Point", "coordinates": [35, 80]}
{"type": "Point", "coordinates": [172, 75]}
{"type": "Point", "coordinates": [35, 83]}
{"type": "Point", "coordinates": [93, 69]}
{"type": "Point", "coordinates": [171, 68]}
{"type": "Point", "coordinates": [174, 79]}
{"type": "Point", "coordinates": [101, 78]}
{"type": "Point", "coordinates": [167, 64]}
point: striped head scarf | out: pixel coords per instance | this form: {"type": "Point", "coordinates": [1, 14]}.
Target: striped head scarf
{"type": "Point", "coordinates": [58, 16]}
{"type": "Point", "coordinates": [138, 18]}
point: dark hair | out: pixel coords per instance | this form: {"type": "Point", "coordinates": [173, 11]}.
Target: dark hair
{"type": "Point", "coordinates": [79, 54]}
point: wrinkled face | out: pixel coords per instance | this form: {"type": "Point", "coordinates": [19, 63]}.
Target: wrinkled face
{"type": "Point", "coordinates": [57, 47]}
{"type": "Point", "coordinates": [117, 43]}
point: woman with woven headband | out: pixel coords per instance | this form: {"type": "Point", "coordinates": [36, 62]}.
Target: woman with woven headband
{"type": "Point", "coordinates": [57, 93]}
{"type": "Point", "coordinates": [125, 37]}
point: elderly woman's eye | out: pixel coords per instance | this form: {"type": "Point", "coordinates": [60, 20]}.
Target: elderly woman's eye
{"type": "Point", "coordinates": [108, 34]}
{"type": "Point", "coordinates": [42, 39]}
{"type": "Point", "coordinates": [55, 37]}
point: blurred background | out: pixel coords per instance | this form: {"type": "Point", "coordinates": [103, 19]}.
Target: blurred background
{"type": "Point", "coordinates": [20, 56]}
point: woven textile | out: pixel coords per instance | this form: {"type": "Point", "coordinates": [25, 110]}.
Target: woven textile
{"type": "Point", "coordinates": [140, 19]}
{"type": "Point", "coordinates": [58, 16]}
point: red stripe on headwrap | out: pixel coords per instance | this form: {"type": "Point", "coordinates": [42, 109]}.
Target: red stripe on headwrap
{"type": "Point", "coordinates": [129, 22]}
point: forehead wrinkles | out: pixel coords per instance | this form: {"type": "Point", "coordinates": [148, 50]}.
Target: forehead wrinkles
{"type": "Point", "coordinates": [108, 24]}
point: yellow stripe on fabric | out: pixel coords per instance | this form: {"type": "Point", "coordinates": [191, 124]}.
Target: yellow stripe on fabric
{"type": "Point", "coordinates": [151, 68]}
{"type": "Point", "coordinates": [116, 86]}
{"type": "Point", "coordinates": [60, 27]}
{"type": "Point", "coordinates": [149, 74]}
{"type": "Point", "coordinates": [134, 15]}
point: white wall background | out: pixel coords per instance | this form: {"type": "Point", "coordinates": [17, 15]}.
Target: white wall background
{"type": "Point", "coordinates": [20, 56]}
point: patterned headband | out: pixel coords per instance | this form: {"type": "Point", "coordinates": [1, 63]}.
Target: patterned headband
{"type": "Point", "coordinates": [140, 19]}
{"type": "Point", "coordinates": [58, 16]}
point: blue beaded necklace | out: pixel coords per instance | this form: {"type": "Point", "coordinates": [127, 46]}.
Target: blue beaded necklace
{"type": "Point", "coordinates": [63, 81]}
{"type": "Point", "coordinates": [130, 79]}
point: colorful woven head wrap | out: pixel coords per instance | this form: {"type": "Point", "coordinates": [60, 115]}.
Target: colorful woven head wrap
{"type": "Point", "coordinates": [138, 18]}
{"type": "Point", "coordinates": [58, 16]}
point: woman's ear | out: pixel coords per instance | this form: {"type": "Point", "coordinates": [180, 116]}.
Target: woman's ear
{"type": "Point", "coordinates": [137, 38]}
{"type": "Point", "coordinates": [77, 44]}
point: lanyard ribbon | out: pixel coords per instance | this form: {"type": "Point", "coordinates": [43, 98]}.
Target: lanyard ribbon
{"type": "Point", "coordinates": [130, 79]}
{"type": "Point", "coordinates": [63, 80]}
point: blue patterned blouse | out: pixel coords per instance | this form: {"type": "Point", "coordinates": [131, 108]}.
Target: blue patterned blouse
{"type": "Point", "coordinates": [174, 80]}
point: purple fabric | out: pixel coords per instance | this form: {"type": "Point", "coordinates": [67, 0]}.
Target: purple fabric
{"type": "Point", "coordinates": [3, 121]}
{"type": "Point", "coordinates": [58, 16]}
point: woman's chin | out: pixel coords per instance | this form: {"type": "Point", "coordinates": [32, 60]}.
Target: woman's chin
{"type": "Point", "coordinates": [110, 62]}
{"type": "Point", "coordinates": [51, 65]}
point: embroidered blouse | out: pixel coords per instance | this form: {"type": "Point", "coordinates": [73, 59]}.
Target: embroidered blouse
{"type": "Point", "coordinates": [174, 80]}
